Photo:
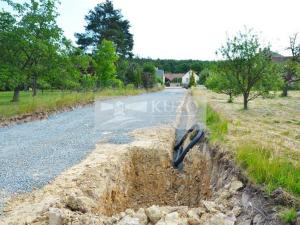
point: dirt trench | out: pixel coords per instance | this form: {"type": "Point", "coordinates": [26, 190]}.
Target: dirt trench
{"type": "Point", "coordinates": [115, 178]}
{"type": "Point", "coordinates": [151, 180]}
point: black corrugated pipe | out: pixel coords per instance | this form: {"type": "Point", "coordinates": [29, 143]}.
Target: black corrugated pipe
{"type": "Point", "coordinates": [181, 152]}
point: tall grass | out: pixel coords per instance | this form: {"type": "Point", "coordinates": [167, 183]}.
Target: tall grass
{"type": "Point", "coordinates": [55, 100]}
{"type": "Point", "coordinates": [217, 125]}
{"type": "Point", "coordinates": [268, 169]}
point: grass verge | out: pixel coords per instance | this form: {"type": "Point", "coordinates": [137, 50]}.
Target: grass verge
{"type": "Point", "coordinates": [266, 151]}
{"type": "Point", "coordinates": [268, 169]}
{"type": "Point", "coordinates": [56, 100]}
{"type": "Point", "coordinates": [217, 125]}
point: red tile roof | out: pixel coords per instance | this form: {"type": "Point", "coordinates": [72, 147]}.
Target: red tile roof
{"type": "Point", "coordinates": [172, 76]}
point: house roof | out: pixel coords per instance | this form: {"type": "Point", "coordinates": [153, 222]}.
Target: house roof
{"type": "Point", "coordinates": [172, 76]}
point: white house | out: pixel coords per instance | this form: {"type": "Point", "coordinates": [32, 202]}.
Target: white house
{"type": "Point", "coordinates": [186, 78]}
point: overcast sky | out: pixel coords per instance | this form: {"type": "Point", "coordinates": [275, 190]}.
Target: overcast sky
{"type": "Point", "coordinates": [192, 29]}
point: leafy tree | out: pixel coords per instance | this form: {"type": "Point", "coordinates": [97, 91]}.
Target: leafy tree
{"type": "Point", "coordinates": [291, 74]}
{"type": "Point", "coordinates": [106, 58]}
{"type": "Point", "coordinates": [192, 82]}
{"type": "Point", "coordinates": [133, 74]}
{"type": "Point", "coordinates": [222, 82]}
{"type": "Point", "coordinates": [105, 22]}
{"type": "Point", "coordinates": [250, 65]}
{"type": "Point", "coordinates": [148, 77]}
{"type": "Point", "coordinates": [37, 39]}
{"type": "Point", "coordinates": [12, 58]}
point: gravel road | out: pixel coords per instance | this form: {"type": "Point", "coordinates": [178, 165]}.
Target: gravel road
{"type": "Point", "coordinates": [32, 154]}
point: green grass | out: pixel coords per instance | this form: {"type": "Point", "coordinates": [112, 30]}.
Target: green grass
{"type": "Point", "coordinates": [217, 125]}
{"type": "Point", "coordinates": [54, 100]}
{"type": "Point", "coordinates": [289, 215]}
{"type": "Point", "coordinates": [268, 169]}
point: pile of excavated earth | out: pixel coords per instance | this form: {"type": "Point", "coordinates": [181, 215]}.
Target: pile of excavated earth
{"type": "Point", "coordinates": [135, 183]}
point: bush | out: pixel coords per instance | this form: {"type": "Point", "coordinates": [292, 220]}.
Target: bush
{"type": "Point", "coordinates": [130, 86]}
{"type": "Point", "coordinates": [116, 83]}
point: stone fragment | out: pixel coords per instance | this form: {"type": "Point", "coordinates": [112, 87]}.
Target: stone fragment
{"type": "Point", "coordinates": [154, 213]}
{"type": "Point", "coordinates": [55, 216]}
{"type": "Point", "coordinates": [221, 219]}
{"type": "Point", "coordinates": [82, 204]}
{"type": "Point", "coordinates": [235, 186]}
{"type": "Point", "coordinates": [210, 206]}
{"type": "Point", "coordinates": [141, 215]}
{"type": "Point", "coordinates": [128, 220]}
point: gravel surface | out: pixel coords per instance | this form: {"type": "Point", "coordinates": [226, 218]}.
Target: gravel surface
{"type": "Point", "coordinates": [34, 153]}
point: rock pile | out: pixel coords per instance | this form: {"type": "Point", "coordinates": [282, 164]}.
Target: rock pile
{"type": "Point", "coordinates": [222, 210]}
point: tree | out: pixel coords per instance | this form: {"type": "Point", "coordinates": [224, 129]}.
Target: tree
{"type": "Point", "coordinates": [250, 65]}
{"type": "Point", "coordinates": [291, 74]}
{"type": "Point", "coordinates": [12, 59]}
{"type": "Point", "coordinates": [105, 22]}
{"type": "Point", "coordinates": [222, 82]}
{"type": "Point", "coordinates": [192, 82]}
{"type": "Point", "coordinates": [106, 58]}
{"type": "Point", "coordinates": [148, 77]}
{"type": "Point", "coordinates": [37, 40]}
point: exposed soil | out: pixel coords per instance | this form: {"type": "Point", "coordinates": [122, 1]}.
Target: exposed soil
{"type": "Point", "coordinates": [115, 178]}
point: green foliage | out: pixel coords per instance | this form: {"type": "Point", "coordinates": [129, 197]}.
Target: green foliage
{"type": "Point", "coordinates": [289, 215]}
{"type": "Point", "coordinates": [130, 86]}
{"type": "Point", "coordinates": [222, 82]}
{"type": "Point", "coordinates": [106, 23]}
{"type": "Point", "coordinates": [250, 65]}
{"type": "Point", "coordinates": [268, 169]}
{"type": "Point", "coordinates": [217, 125]}
{"type": "Point", "coordinates": [148, 77]}
{"type": "Point", "coordinates": [106, 58]}
{"type": "Point", "coordinates": [192, 82]}
{"type": "Point", "coordinates": [178, 66]}
{"type": "Point", "coordinates": [291, 68]}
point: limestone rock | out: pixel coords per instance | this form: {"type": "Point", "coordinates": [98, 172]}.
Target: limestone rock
{"type": "Point", "coordinates": [141, 215]}
{"type": "Point", "coordinates": [210, 206]}
{"type": "Point", "coordinates": [172, 218]}
{"type": "Point", "coordinates": [128, 220]}
{"type": "Point", "coordinates": [221, 219]}
{"type": "Point", "coordinates": [81, 204]}
{"type": "Point", "coordinates": [193, 217]}
{"type": "Point", "coordinates": [236, 186]}
{"type": "Point", "coordinates": [129, 212]}
{"type": "Point", "coordinates": [55, 216]}
{"type": "Point", "coordinates": [154, 213]}
{"type": "Point", "coordinates": [258, 219]}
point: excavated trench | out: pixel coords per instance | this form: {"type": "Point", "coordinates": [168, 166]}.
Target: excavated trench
{"type": "Point", "coordinates": [151, 180]}
{"type": "Point", "coordinates": [115, 178]}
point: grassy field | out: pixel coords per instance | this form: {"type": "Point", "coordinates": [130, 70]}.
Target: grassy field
{"type": "Point", "coordinates": [54, 100]}
{"type": "Point", "coordinates": [265, 139]}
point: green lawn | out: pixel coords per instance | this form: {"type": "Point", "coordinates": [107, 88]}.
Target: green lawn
{"type": "Point", "coordinates": [54, 100]}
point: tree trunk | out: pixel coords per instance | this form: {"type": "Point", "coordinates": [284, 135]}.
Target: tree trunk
{"type": "Point", "coordinates": [34, 84]}
{"type": "Point", "coordinates": [16, 95]}
{"type": "Point", "coordinates": [245, 101]}
{"type": "Point", "coordinates": [285, 90]}
{"type": "Point", "coordinates": [230, 100]}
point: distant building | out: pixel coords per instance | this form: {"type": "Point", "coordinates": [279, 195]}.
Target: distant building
{"type": "Point", "coordinates": [161, 74]}
{"type": "Point", "coordinates": [186, 78]}
{"type": "Point", "coordinates": [173, 79]}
